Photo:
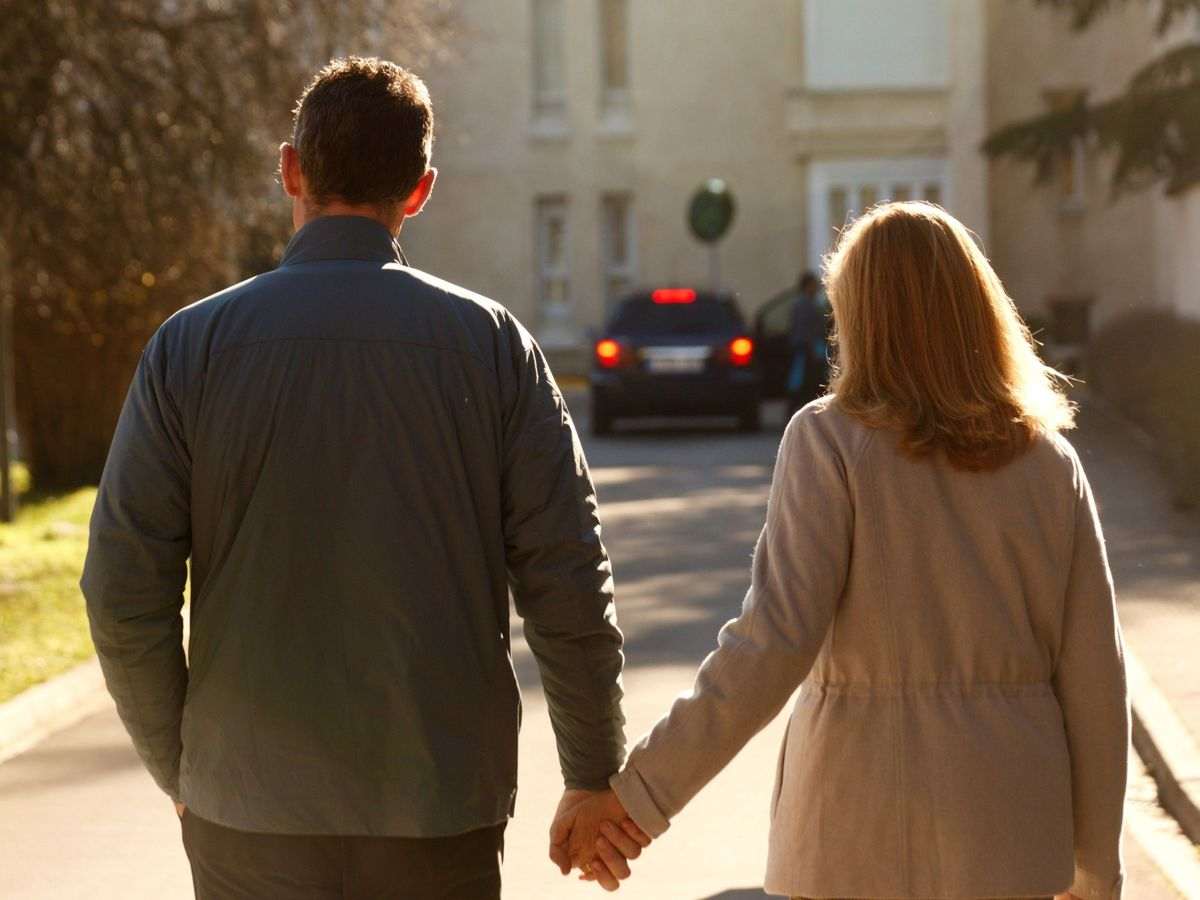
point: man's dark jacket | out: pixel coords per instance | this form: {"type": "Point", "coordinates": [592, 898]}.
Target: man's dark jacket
{"type": "Point", "coordinates": [359, 460]}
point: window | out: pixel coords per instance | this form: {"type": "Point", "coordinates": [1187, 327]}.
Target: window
{"type": "Point", "coordinates": [553, 269]}
{"type": "Point", "coordinates": [617, 245]}
{"type": "Point", "coordinates": [840, 190]}
{"type": "Point", "coordinates": [549, 62]}
{"type": "Point", "coordinates": [865, 44]}
{"type": "Point", "coordinates": [1071, 169]}
{"type": "Point", "coordinates": [614, 55]}
{"type": "Point", "coordinates": [838, 205]}
{"type": "Point", "coordinates": [641, 316]}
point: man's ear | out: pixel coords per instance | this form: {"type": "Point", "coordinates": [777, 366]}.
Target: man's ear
{"type": "Point", "coordinates": [289, 170]}
{"type": "Point", "coordinates": [420, 194]}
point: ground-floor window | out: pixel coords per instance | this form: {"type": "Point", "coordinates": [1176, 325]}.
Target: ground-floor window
{"type": "Point", "coordinates": [841, 189]}
{"type": "Point", "coordinates": [617, 246]}
{"type": "Point", "coordinates": [552, 260]}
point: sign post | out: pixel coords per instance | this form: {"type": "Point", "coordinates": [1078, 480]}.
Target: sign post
{"type": "Point", "coordinates": [710, 214]}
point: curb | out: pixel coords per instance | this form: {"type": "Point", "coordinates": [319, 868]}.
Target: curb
{"type": "Point", "coordinates": [45, 708]}
{"type": "Point", "coordinates": [1168, 749]}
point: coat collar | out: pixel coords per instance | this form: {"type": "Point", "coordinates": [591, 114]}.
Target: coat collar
{"type": "Point", "coordinates": [342, 237]}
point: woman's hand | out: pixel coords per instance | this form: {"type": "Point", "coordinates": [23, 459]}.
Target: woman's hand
{"type": "Point", "coordinates": [614, 847]}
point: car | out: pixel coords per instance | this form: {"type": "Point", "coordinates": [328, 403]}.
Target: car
{"type": "Point", "coordinates": [675, 351]}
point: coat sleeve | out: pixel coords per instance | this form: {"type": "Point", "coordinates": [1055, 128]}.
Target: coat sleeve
{"type": "Point", "coordinates": [136, 568]}
{"type": "Point", "coordinates": [799, 573]}
{"type": "Point", "coordinates": [559, 571]}
{"type": "Point", "coordinates": [1089, 681]}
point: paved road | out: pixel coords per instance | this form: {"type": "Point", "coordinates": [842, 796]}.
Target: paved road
{"type": "Point", "coordinates": [682, 508]}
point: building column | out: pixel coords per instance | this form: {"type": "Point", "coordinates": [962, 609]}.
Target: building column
{"type": "Point", "coordinates": [967, 114]}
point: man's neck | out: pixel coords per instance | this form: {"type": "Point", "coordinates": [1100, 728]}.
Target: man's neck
{"type": "Point", "coordinates": [391, 220]}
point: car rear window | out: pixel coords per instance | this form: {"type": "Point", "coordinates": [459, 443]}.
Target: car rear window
{"type": "Point", "coordinates": [642, 316]}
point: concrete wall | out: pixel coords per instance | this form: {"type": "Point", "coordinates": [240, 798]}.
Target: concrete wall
{"type": "Point", "coordinates": [1177, 229]}
{"type": "Point", "coordinates": [1041, 243]}
{"type": "Point", "coordinates": [706, 100]}
{"type": "Point", "coordinates": [717, 89]}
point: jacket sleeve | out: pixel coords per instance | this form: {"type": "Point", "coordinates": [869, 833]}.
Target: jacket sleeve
{"type": "Point", "coordinates": [1089, 681]}
{"type": "Point", "coordinates": [136, 567]}
{"type": "Point", "coordinates": [799, 572]}
{"type": "Point", "coordinates": [559, 571]}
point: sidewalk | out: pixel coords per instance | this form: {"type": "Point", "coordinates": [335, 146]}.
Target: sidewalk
{"type": "Point", "coordinates": [1155, 555]}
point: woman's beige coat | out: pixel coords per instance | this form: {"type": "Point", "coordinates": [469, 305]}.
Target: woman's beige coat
{"type": "Point", "coordinates": [962, 728]}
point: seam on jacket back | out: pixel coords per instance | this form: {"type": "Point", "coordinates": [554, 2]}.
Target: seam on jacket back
{"type": "Point", "coordinates": [894, 648]}
{"type": "Point", "coordinates": [332, 340]}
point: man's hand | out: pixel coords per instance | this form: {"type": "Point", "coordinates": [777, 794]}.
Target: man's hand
{"type": "Point", "coordinates": [179, 808]}
{"type": "Point", "coordinates": [596, 834]}
{"type": "Point", "coordinates": [558, 850]}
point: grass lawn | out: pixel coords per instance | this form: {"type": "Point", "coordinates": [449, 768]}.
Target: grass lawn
{"type": "Point", "coordinates": [43, 626]}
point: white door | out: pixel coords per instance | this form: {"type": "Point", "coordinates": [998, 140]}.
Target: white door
{"type": "Point", "coordinates": [839, 190]}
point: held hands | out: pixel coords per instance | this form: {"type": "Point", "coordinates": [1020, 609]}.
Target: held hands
{"type": "Point", "coordinates": [593, 832]}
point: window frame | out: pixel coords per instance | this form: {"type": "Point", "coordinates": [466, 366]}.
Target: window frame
{"type": "Point", "coordinates": [613, 270]}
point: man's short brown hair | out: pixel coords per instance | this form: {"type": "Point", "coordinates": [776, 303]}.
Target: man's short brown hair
{"type": "Point", "coordinates": [364, 132]}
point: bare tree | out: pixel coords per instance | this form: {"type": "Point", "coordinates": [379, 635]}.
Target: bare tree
{"type": "Point", "coordinates": [136, 175]}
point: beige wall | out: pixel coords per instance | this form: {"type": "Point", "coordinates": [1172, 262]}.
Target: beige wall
{"type": "Point", "coordinates": [1177, 227]}
{"type": "Point", "coordinates": [707, 100]}
{"type": "Point", "coordinates": [715, 92]}
{"type": "Point", "coordinates": [1040, 245]}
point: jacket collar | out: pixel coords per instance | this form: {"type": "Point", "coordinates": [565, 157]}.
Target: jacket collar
{"type": "Point", "coordinates": [342, 237]}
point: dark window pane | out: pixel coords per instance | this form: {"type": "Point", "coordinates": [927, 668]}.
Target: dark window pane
{"type": "Point", "coordinates": [638, 317]}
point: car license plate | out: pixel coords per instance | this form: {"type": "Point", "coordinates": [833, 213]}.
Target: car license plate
{"type": "Point", "coordinates": [676, 360]}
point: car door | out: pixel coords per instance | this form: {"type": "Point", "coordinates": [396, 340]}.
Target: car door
{"type": "Point", "coordinates": [773, 335]}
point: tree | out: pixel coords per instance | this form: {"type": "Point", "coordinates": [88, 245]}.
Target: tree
{"type": "Point", "coordinates": [136, 175]}
{"type": "Point", "coordinates": [1153, 127]}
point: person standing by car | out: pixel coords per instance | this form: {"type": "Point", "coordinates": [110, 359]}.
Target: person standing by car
{"type": "Point", "coordinates": [809, 342]}
{"type": "Point", "coordinates": [932, 574]}
{"type": "Point", "coordinates": [359, 460]}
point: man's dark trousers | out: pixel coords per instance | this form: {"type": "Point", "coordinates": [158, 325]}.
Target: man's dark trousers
{"type": "Point", "coordinates": [238, 865]}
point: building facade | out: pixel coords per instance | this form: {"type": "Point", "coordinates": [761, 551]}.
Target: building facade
{"type": "Point", "coordinates": [1071, 239]}
{"type": "Point", "coordinates": [572, 133]}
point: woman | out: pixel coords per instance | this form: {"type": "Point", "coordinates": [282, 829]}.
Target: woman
{"type": "Point", "coordinates": [932, 569]}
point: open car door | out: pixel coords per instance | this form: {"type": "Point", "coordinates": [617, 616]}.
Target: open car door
{"type": "Point", "coordinates": [773, 335]}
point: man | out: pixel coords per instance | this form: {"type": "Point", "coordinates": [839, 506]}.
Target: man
{"type": "Point", "coordinates": [810, 359]}
{"type": "Point", "coordinates": [359, 460]}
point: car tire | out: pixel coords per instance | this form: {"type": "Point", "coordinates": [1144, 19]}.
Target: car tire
{"type": "Point", "coordinates": [750, 419]}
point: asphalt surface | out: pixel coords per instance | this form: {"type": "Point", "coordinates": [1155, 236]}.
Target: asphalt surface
{"type": "Point", "coordinates": [682, 507]}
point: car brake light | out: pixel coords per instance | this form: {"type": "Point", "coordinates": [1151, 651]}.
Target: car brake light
{"type": "Point", "coordinates": [608, 353]}
{"type": "Point", "coordinates": [741, 351]}
{"type": "Point", "coordinates": [674, 295]}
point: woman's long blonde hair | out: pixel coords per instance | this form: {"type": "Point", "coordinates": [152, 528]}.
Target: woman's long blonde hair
{"type": "Point", "coordinates": [930, 345]}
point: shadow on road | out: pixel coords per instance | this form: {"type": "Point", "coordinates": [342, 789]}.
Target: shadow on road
{"type": "Point", "coordinates": [682, 509]}
{"type": "Point", "coordinates": [59, 762]}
